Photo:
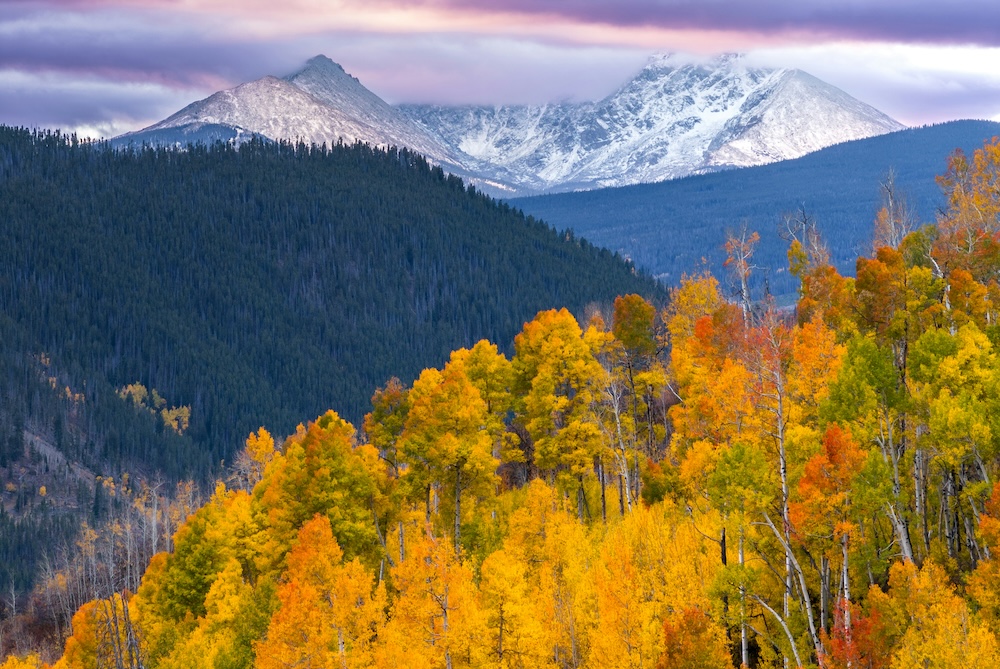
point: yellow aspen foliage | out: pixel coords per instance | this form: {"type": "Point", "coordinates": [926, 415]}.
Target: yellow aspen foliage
{"type": "Point", "coordinates": [514, 634]}
{"type": "Point", "coordinates": [553, 544]}
{"type": "Point", "coordinates": [715, 412]}
{"type": "Point", "coordinates": [938, 629]}
{"type": "Point", "coordinates": [436, 616]}
{"type": "Point", "coordinates": [697, 296]}
{"type": "Point", "coordinates": [103, 635]}
{"type": "Point", "coordinates": [628, 635]}
{"type": "Point", "coordinates": [490, 372]}
{"type": "Point", "coordinates": [651, 566]}
{"type": "Point", "coordinates": [710, 380]}
{"type": "Point", "coordinates": [213, 642]}
{"type": "Point", "coordinates": [30, 661]}
{"type": "Point", "coordinates": [967, 230]}
{"type": "Point", "coordinates": [260, 446]}
{"type": "Point", "coordinates": [318, 473]}
{"type": "Point", "coordinates": [558, 378]}
{"type": "Point", "coordinates": [448, 445]}
{"type": "Point", "coordinates": [136, 392]}
{"type": "Point", "coordinates": [493, 375]}
{"type": "Point", "coordinates": [177, 418]}
{"type": "Point", "coordinates": [384, 424]}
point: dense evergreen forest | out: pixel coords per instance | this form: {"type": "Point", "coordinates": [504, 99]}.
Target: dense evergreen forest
{"type": "Point", "coordinates": [714, 483]}
{"type": "Point", "coordinates": [158, 305]}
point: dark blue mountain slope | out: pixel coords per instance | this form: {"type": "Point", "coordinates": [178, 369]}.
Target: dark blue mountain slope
{"type": "Point", "coordinates": [679, 226]}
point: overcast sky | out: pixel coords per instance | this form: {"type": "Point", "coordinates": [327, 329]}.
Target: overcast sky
{"type": "Point", "coordinates": [102, 67]}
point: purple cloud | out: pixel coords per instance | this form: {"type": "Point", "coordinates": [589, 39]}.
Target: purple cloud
{"type": "Point", "coordinates": [137, 46]}
{"type": "Point", "coordinates": [923, 21]}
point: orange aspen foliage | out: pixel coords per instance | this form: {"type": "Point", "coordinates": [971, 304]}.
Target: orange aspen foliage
{"type": "Point", "coordinates": [984, 583]}
{"type": "Point", "coordinates": [866, 643]}
{"type": "Point", "coordinates": [80, 651]}
{"type": "Point", "coordinates": [881, 293]}
{"type": "Point", "coordinates": [816, 361]}
{"type": "Point", "coordinates": [826, 484]}
{"type": "Point", "coordinates": [330, 612]}
{"type": "Point", "coordinates": [825, 294]}
{"type": "Point", "coordinates": [691, 640]}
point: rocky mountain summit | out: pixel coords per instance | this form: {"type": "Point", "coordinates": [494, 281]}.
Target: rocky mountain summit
{"type": "Point", "coordinates": [674, 118]}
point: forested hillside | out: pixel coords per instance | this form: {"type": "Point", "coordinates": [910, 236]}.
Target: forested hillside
{"type": "Point", "coordinates": [713, 484]}
{"type": "Point", "coordinates": [677, 227]}
{"type": "Point", "coordinates": [268, 283]}
{"type": "Point", "coordinates": [158, 305]}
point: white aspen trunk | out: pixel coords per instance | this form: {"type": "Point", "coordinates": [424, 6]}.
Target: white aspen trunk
{"type": "Point", "coordinates": [402, 547]}
{"type": "Point", "coordinates": [458, 510]}
{"type": "Point", "coordinates": [445, 627]}
{"type": "Point", "coordinates": [744, 644]}
{"type": "Point", "coordinates": [847, 596]}
{"type": "Point", "coordinates": [803, 586]}
{"type": "Point", "coordinates": [891, 456]}
{"type": "Point", "coordinates": [784, 626]}
{"type": "Point", "coordinates": [620, 453]}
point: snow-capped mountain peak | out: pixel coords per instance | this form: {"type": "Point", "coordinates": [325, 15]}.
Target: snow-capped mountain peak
{"type": "Point", "coordinates": [677, 116]}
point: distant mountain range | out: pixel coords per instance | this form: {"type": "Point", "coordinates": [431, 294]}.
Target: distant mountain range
{"type": "Point", "coordinates": [680, 226]}
{"type": "Point", "coordinates": [673, 119]}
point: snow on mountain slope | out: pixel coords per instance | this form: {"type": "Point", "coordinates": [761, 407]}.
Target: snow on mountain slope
{"type": "Point", "coordinates": [276, 109]}
{"type": "Point", "coordinates": [318, 104]}
{"type": "Point", "coordinates": [327, 81]}
{"type": "Point", "coordinates": [671, 120]}
{"type": "Point", "coordinates": [798, 116]}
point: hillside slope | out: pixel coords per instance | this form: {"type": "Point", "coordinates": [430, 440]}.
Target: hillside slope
{"type": "Point", "coordinates": [246, 288]}
{"type": "Point", "coordinates": [677, 226]}
{"type": "Point", "coordinates": [266, 284]}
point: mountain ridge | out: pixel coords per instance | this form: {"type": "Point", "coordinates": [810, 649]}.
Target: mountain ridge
{"type": "Point", "coordinates": [679, 226]}
{"type": "Point", "coordinates": [670, 120]}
